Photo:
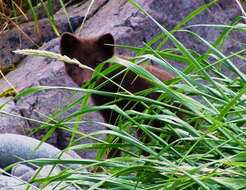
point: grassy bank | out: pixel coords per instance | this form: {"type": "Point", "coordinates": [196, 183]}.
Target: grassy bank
{"type": "Point", "coordinates": [200, 143]}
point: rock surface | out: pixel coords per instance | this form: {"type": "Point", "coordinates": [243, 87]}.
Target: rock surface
{"type": "Point", "coordinates": [128, 25]}
{"type": "Point", "coordinates": [41, 105]}
{"type": "Point", "coordinates": [28, 35]}
{"type": "Point", "coordinates": [15, 147]}
{"type": "Point", "coordinates": [11, 183]}
{"type": "Point", "coordinates": [9, 123]}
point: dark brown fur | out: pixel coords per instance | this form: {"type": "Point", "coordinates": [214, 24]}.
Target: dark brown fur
{"type": "Point", "coordinates": [91, 52]}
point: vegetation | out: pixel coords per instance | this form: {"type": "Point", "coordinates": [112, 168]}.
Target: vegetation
{"type": "Point", "coordinates": [202, 113]}
{"type": "Point", "coordinates": [15, 12]}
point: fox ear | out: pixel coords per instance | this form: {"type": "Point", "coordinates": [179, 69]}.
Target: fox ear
{"type": "Point", "coordinates": [105, 43]}
{"type": "Point", "coordinates": [68, 43]}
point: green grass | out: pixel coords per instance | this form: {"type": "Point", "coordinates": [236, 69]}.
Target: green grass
{"type": "Point", "coordinates": [201, 141]}
{"type": "Point", "coordinates": [13, 13]}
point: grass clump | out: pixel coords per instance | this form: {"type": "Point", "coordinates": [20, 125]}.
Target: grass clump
{"type": "Point", "coordinates": [200, 143]}
{"type": "Point", "coordinates": [15, 12]}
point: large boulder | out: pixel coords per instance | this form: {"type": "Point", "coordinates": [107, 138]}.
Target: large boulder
{"type": "Point", "coordinates": [15, 148]}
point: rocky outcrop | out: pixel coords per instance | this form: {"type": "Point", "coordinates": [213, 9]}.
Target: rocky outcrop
{"type": "Point", "coordinates": [128, 25]}
{"type": "Point", "coordinates": [44, 104]}
{"type": "Point", "coordinates": [29, 35]}
{"type": "Point", "coordinates": [41, 105]}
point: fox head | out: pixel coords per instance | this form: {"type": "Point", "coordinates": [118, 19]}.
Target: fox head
{"type": "Point", "coordinates": [88, 51]}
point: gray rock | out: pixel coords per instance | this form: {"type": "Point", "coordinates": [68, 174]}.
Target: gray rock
{"type": "Point", "coordinates": [10, 183]}
{"type": "Point", "coordinates": [21, 169]}
{"type": "Point", "coordinates": [15, 147]}
{"type": "Point", "coordinates": [8, 122]}
{"type": "Point", "coordinates": [41, 105]}
{"type": "Point", "coordinates": [22, 173]}
{"type": "Point", "coordinates": [31, 38]}
{"type": "Point", "coordinates": [31, 69]}
{"type": "Point", "coordinates": [26, 173]}
{"type": "Point", "coordinates": [130, 27]}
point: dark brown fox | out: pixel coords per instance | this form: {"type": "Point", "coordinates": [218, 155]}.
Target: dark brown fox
{"type": "Point", "coordinates": [93, 51]}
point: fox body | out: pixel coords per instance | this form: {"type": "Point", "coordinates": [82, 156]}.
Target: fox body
{"type": "Point", "coordinates": [93, 51]}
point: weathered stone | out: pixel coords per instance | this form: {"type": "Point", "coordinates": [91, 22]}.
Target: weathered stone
{"type": "Point", "coordinates": [27, 36]}
{"type": "Point", "coordinates": [42, 71]}
{"type": "Point", "coordinates": [42, 105]}
{"type": "Point", "coordinates": [15, 147]}
{"type": "Point", "coordinates": [10, 118]}
{"type": "Point", "coordinates": [11, 183]}
{"type": "Point", "coordinates": [130, 27]}
{"type": "Point", "coordinates": [31, 69]}
{"type": "Point", "coordinates": [13, 39]}
{"type": "Point", "coordinates": [23, 172]}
